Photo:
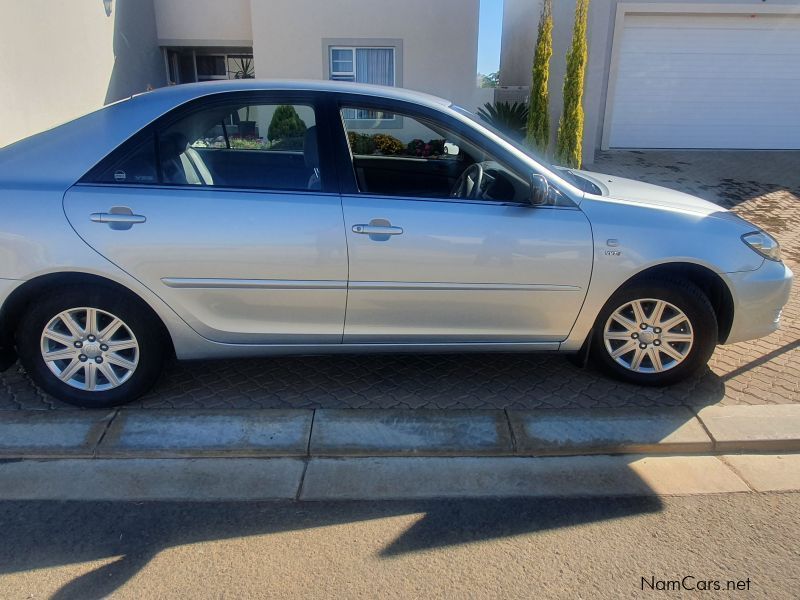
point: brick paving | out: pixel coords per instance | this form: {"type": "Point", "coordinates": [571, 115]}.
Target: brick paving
{"type": "Point", "coordinates": [763, 187]}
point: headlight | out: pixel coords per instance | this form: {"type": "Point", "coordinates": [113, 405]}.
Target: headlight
{"type": "Point", "coordinates": [763, 243]}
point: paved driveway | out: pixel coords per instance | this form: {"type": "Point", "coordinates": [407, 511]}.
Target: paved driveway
{"type": "Point", "coordinates": [764, 187]}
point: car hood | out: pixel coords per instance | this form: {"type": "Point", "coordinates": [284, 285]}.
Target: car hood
{"type": "Point", "coordinates": [639, 192]}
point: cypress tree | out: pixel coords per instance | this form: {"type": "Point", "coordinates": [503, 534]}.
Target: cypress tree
{"type": "Point", "coordinates": [570, 127]}
{"type": "Point", "coordinates": [538, 129]}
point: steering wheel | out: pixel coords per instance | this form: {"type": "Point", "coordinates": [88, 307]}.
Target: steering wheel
{"type": "Point", "coordinates": [469, 184]}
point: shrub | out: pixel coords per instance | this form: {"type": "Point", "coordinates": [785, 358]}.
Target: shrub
{"type": "Point", "coordinates": [423, 149]}
{"type": "Point", "coordinates": [387, 144]}
{"type": "Point", "coordinates": [538, 128]}
{"type": "Point", "coordinates": [286, 123]}
{"type": "Point", "coordinates": [510, 118]}
{"type": "Point", "coordinates": [289, 144]}
{"type": "Point", "coordinates": [570, 126]}
{"type": "Point", "coordinates": [361, 143]}
{"type": "Point", "coordinates": [492, 80]}
{"type": "Point", "coordinates": [246, 143]}
{"type": "Point", "coordinates": [437, 147]}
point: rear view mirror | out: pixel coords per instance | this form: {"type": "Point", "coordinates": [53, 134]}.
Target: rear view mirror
{"type": "Point", "coordinates": [540, 190]}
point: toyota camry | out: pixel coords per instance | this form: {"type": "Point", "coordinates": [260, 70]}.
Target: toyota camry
{"type": "Point", "coordinates": [256, 218]}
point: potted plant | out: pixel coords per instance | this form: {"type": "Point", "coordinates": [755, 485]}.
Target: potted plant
{"type": "Point", "coordinates": [241, 67]}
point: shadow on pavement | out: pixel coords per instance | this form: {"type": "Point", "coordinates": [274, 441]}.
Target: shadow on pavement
{"type": "Point", "coordinates": [39, 535]}
{"type": "Point", "coordinates": [762, 359]}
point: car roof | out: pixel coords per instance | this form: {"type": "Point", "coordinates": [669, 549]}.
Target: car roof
{"type": "Point", "coordinates": [59, 157]}
{"type": "Point", "coordinates": [184, 92]}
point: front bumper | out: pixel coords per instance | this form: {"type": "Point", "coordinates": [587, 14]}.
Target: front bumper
{"type": "Point", "coordinates": [758, 299]}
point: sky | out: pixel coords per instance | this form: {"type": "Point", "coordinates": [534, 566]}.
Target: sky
{"type": "Point", "coordinates": [489, 33]}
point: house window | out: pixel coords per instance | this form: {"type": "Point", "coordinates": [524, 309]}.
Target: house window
{"type": "Point", "coordinates": [187, 65]}
{"type": "Point", "coordinates": [363, 65]}
{"type": "Point", "coordinates": [210, 67]}
{"type": "Point", "coordinates": [343, 64]}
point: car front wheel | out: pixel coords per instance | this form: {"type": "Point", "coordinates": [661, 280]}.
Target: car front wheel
{"type": "Point", "coordinates": [655, 332]}
{"type": "Point", "coordinates": [92, 348]}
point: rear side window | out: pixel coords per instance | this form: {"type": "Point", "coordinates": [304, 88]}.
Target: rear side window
{"type": "Point", "coordinates": [258, 146]}
{"type": "Point", "coordinates": [253, 145]}
{"type": "Point", "coordinates": [134, 165]}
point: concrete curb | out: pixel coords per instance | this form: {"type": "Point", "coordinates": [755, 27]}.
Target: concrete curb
{"type": "Point", "coordinates": [396, 433]}
{"type": "Point", "coordinates": [47, 434]}
{"type": "Point", "coordinates": [200, 433]}
{"type": "Point", "coordinates": [761, 428]}
{"type": "Point", "coordinates": [609, 431]}
{"type": "Point", "coordinates": [408, 432]}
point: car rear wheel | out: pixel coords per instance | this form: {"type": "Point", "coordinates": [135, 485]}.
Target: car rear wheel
{"type": "Point", "coordinates": [92, 348]}
{"type": "Point", "coordinates": [655, 332]}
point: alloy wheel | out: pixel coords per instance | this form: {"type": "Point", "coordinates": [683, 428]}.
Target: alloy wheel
{"type": "Point", "coordinates": [89, 349]}
{"type": "Point", "coordinates": [648, 335]}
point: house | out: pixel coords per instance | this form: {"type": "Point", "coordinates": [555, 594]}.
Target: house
{"type": "Point", "coordinates": [88, 53]}
{"type": "Point", "coordinates": [671, 73]}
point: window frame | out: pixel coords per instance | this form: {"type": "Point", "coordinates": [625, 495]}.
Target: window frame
{"type": "Point", "coordinates": [318, 101]}
{"type": "Point", "coordinates": [354, 72]}
{"type": "Point", "coordinates": [348, 180]}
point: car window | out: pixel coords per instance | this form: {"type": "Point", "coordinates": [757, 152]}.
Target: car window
{"type": "Point", "coordinates": [134, 165]}
{"type": "Point", "coordinates": [262, 146]}
{"type": "Point", "coordinates": [396, 154]}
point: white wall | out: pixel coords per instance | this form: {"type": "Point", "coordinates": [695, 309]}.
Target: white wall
{"type": "Point", "coordinates": [440, 39]}
{"type": "Point", "coordinates": [60, 59]}
{"type": "Point", "coordinates": [203, 22]}
{"type": "Point", "coordinates": [520, 22]}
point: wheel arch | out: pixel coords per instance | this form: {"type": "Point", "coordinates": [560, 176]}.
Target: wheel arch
{"type": "Point", "coordinates": [709, 282]}
{"type": "Point", "coordinates": [14, 305]}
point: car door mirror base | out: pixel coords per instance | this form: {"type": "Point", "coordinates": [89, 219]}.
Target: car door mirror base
{"type": "Point", "coordinates": [540, 190]}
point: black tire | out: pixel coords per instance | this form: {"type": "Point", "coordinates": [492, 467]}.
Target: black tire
{"type": "Point", "coordinates": [685, 296]}
{"type": "Point", "coordinates": [141, 322]}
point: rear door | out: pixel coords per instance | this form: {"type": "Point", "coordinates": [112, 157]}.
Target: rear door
{"type": "Point", "coordinates": [228, 211]}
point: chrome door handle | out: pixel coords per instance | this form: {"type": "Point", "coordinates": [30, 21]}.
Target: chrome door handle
{"type": "Point", "coordinates": [377, 229]}
{"type": "Point", "coordinates": [117, 218]}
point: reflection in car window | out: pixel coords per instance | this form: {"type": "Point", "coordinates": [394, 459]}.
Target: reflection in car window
{"type": "Point", "coordinates": [240, 145]}
{"type": "Point", "coordinates": [506, 138]}
{"type": "Point", "coordinates": [262, 146]}
{"type": "Point", "coordinates": [397, 154]}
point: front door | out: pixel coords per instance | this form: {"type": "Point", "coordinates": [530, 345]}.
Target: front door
{"type": "Point", "coordinates": [235, 227]}
{"type": "Point", "coordinates": [464, 258]}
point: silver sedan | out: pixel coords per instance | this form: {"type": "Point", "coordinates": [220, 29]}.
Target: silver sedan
{"type": "Point", "coordinates": [249, 218]}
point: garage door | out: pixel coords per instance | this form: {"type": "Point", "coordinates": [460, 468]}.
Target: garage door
{"type": "Point", "coordinates": [707, 81]}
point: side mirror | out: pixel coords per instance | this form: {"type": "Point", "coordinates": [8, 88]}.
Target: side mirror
{"type": "Point", "coordinates": [540, 190]}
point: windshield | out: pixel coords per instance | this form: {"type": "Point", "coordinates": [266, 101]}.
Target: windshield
{"type": "Point", "coordinates": [581, 183]}
{"type": "Point", "coordinates": [504, 136]}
